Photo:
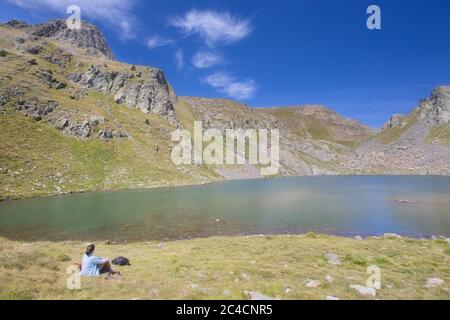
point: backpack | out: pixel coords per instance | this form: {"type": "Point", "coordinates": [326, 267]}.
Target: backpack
{"type": "Point", "coordinates": [121, 261]}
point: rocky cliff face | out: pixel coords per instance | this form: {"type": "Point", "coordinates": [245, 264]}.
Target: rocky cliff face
{"type": "Point", "coordinates": [143, 88]}
{"type": "Point", "coordinates": [436, 109]}
{"type": "Point", "coordinates": [146, 90]}
{"type": "Point", "coordinates": [88, 37]}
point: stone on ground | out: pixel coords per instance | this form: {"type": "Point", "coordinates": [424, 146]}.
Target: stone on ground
{"type": "Point", "coordinates": [364, 291]}
{"type": "Point", "coordinates": [313, 283]}
{"type": "Point", "coordinates": [257, 296]}
{"type": "Point", "coordinates": [434, 282]}
{"type": "Point", "coordinates": [332, 259]}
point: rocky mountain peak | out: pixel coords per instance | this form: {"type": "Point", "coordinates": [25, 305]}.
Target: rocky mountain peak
{"type": "Point", "coordinates": [436, 109]}
{"type": "Point", "coordinates": [88, 37]}
{"type": "Point", "coordinates": [14, 23]}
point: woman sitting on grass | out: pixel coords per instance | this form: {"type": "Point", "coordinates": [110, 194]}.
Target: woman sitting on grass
{"type": "Point", "coordinates": [93, 266]}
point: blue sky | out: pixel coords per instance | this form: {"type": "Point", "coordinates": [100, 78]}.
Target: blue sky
{"type": "Point", "coordinates": [277, 53]}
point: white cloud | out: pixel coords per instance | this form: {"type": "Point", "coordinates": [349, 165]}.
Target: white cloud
{"type": "Point", "coordinates": [206, 59]}
{"type": "Point", "coordinates": [156, 41]}
{"type": "Point", "coordinates": [213, 27]}
{"type": "Point", "coordinates": [116, 13]}
{"type": "Point", "coordinates": [218, 79]}
{"type": "Point", "coordinates": [241, 89]}
{"type": "Point", "coordinates": [179, 59]}
{"type": "Point", "coordinates": [230, 86]}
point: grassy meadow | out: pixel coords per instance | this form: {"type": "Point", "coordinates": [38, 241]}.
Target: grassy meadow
{"type": "Point", "coordinates": [278, 267]}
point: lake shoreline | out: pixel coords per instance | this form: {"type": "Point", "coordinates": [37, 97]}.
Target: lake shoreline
{"type": "Point", "coordinates": [194, 184]}
{"type": "Point", "coordinates": [312, 234]}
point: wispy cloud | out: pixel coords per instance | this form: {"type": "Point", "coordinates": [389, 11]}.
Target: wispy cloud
{"type": "Point", "coordinates": [179, 59]}
{"type": "Point", "coordinates": [116, 13]}
{"type": "Point", "coordinates": [213, 27]}
{"type": "Point", "coordinates": [227, 84]}
{"type": "Point", "coordinates": [157, 41]}
{"type": "Point", "coordinates": [207, 59]}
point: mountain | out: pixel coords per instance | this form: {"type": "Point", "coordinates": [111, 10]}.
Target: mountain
{"type": "Point", "coordinates": [416, 143]}
{"type": "Point", "coordinates": [73, 119]}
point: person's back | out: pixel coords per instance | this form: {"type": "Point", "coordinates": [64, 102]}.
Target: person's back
{"type": "Point", "coordinates": [91, 264]}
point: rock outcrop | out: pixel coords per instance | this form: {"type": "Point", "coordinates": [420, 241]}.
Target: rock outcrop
{"type": "Point", "coordinates": [397, 121]}
{"type": "Point", "coordinates": [17, 24]}
{"type": "Point", "coordinates": [436, 109]}
{"type": "Point", "coordinates": [149, 93]}
{"type": "Point", "coordinates": [36, 110]}
{"type": "Point", "coordinates": [89, 37]}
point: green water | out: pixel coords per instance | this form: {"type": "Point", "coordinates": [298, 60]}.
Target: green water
{"type": "Point", "coordinates": [335, 205]}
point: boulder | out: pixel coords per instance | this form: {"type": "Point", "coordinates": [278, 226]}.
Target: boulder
{"type": "Point", "coordinates": [363, 291]}
{"type": "Point", "coordinates": [332, 259]}
{"type": "Point", "coordinates": [434, 282]}
{"type": "Point", "coordinates": [32, 62]}
{"type": "Point", "coordinates": [313, 283]}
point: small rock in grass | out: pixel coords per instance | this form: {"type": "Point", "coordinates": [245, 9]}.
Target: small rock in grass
{"type": "Point", "coordinates": [194, 285]}
{"type": "Point", "coordinates": [359, 238]}
{"type": "Point", "coordinates": [153, 292]}
{"type": "Point", "coordinates": [245, 276]}
{"type": "Point", "coordinates": [32, 62]}
{"type": "Point", "coordinates": [161, 245]}
{"type": "Point", "coordinates": [205, 290]}
{"type": "Point", "coordinates": [257, 296]}
{"type": "Point", "coordinates": [332, 298]}
{"type": "Point", "coordinates": [313, 283]}
{"type": "Point", "coordinates": [434, 282]}
{"type": "Point", "coordinates": [332, 259]}
{"type": "Point", "coordinates": [329, 278]}
{"type": "Point", "coordinates": [287, 290]}
{"type": "Point", "coordinates": [364, 291]}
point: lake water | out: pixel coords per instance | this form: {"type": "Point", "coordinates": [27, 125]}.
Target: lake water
{"type": "Point", "coordinates": [336, 205]}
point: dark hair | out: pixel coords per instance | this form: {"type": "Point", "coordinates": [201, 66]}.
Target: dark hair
{"type": "Point", "coordinates": [90, 249]}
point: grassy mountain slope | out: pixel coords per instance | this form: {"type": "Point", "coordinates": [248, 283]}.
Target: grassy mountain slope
{"type": "Point", "coordinates": [38, 159]}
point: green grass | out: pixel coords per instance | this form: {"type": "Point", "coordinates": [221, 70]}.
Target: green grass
{"type": "Point", "coordinates": [439, 134]}
{"type": "Point", "coordinates": [224, 268]}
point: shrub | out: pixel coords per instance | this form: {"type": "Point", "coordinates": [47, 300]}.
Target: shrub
{"type": "Point", "coordinates": [63, 258]}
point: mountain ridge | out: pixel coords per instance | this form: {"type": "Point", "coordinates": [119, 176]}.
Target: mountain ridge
{"type": "Point", "coordinates": [106, 125]}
